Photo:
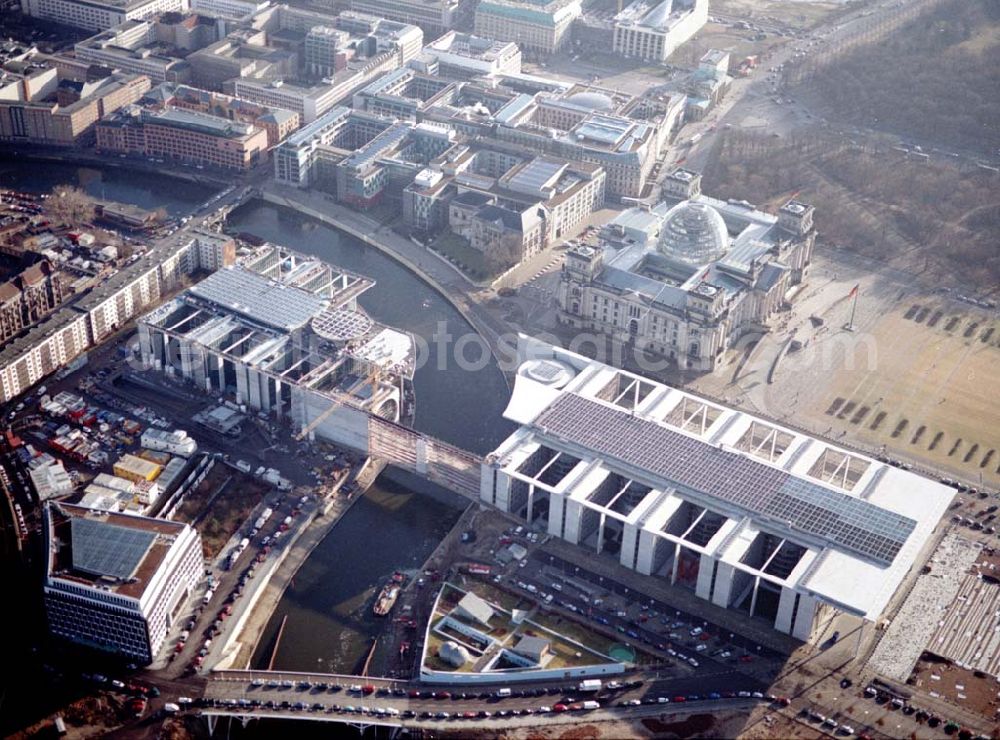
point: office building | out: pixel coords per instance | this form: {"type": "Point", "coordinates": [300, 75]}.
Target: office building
{"type": "Point", "coordinates": [748, 515]}
{"type": "Point", "coordinates": [117, 582]}
{"type": "Point", "coordinates": [540, 26]}
{"type": "Point", "coordinates": [507, 204]}
{"type": "Point", "coordinates": [277, 122]}
{"type": "Point", "coordinates": [98, 15]}
{"type": "Point", "coordinates": [464, 56]}
{"type": "Point", "coordinates": [329, 138]}
{"type": "Point", "coordinates": [284, 334]}
{"type": "Point", "coordinates": [149, 47]}
{"type": "Point", "coordinates": [37, 108]}
{"type": "Point", "coordinates": [623, 134]}
{"type": "Point", "coordinates": [184, 136]}
{"type": "Point", "coordinates": [231, 9]}
{"type": "Point", "coordinates": [433, 16]}
{"type": "Point", "coordinates": [653, 29]}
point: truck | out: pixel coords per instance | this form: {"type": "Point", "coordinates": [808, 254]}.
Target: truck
{"type": "Point", "coordinates": [502, 693]}
{"type": "Point", "coordinates": [590, 684]}
{"type": "Point", "coordinates": [262, 519]}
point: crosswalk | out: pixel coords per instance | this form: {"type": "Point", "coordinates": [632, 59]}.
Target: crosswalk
{"type": "Point", "coordinates": [556, 261]}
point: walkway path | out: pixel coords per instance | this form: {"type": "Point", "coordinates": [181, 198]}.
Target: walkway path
{"type": "Point", "coordinates": [439, 274]}
{"type": "Point", "coordinates": [241, 649]}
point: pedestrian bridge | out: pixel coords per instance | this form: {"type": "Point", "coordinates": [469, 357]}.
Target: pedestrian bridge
{"type": "Point", "coordinates": [439, 462]}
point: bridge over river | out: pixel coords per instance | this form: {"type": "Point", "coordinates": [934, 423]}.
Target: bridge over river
{"type": "Point", "coordinates": [442, 463]}
{"type": "Point", "coordinates": [249, 695]}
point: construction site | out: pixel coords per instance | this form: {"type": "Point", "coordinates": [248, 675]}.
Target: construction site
{"type": "Point", "coordinates": [284, 335]}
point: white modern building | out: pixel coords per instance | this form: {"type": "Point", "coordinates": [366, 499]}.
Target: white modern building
{"type": "Point", "coordinates": [283, 334]}
{"type": "Point", "coordinates": [132, 47]}
{"type": "Point", "coordinates": [747, 514]}
{"type": "Point", "coordinates": [98, 15]}
{"type": "Point", "coordinates": [462, 55]}
{"type": "Point", "coordinates": [117, 582]}
{"type": "Point", "coordinates": [235, 9]}
{"type": "Point", "coordinates": [653, 29]}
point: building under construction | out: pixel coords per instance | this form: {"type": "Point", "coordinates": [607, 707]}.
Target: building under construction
{"type": "Point", "coordinates": [282, 333]}
{"type": "Point", "coordinates": [752, 516]}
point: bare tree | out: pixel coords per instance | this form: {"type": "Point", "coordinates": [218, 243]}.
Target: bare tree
{"type": "Point", "coordinates": [70, 206]}
{"type": "Point", "coordinates": [505, 253]}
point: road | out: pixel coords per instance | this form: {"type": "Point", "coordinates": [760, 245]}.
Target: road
{"type": "Point", "coordinates": [753, 98]}
{"type": "Point", "coordinates": [315, 697]}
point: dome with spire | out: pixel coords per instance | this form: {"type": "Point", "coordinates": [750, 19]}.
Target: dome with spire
{"type": "Point", "coordinates": [693, 233]}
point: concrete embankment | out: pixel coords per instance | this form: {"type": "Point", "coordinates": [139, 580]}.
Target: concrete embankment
{"type": "Point", "coordinates": [454, 296]}
{"type": "Point", "coordinates": [82, 159]}
{"type": "Point", "coordinates": [242, 643]}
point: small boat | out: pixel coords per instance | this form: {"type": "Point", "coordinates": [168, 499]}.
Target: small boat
{"type": "Point", "coordinates": [388, 595]}
{"type": "Point", "coordinates": [426, 303]}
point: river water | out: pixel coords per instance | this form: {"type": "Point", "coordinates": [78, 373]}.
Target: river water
{"type": "Point", "coordinates": [397, 524]}
{"type": "Point", "coordinates": [401, 519]}
{"type": "Point", "coordinates": [144, 190]}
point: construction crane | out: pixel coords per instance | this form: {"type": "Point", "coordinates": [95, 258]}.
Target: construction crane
{"type": "Point", "coordinates": [374, 377]}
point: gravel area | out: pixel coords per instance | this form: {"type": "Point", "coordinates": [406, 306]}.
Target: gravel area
{"type": "Point", "coordinates": [908, 635]}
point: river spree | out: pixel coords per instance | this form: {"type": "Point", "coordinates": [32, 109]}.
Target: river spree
{"type": "Point", "coordinates": [144, 190]}
{"type": "Point", "coordinates": [401, 519]}
{"type": "Point", "coordinates": [330, 625]}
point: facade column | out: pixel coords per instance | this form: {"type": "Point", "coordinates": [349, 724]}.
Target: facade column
{"type": "Point", "coordinates": [753, 600]}
{"type": "Point", "coordinates": [676, 563]}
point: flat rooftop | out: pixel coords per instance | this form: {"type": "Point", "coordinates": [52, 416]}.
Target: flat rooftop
{"type": "Point", "coordinates": [119, 553]}
{"type": "Point", "coordinates": [595, 432]}
{"type": "Point", "coordinates": [259, 299]}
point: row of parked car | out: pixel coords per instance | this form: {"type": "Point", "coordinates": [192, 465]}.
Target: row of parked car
{"type": "Point", "coordinates": [902, 704]}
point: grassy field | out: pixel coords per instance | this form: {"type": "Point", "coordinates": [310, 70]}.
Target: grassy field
{"type": "Point", "coordinates": [939, 390]}
{"type": "Point", "coordinates": [593, 640]}
{"type": "Point", "coordinates": [432, 661]}
{"type": "Point", "coordinates": [498, 596]}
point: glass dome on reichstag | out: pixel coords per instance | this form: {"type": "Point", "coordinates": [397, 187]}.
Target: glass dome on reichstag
{"type": "Point", "coordinates": [592, 100]}
{"type": "Point", "coordinates": [693, 233]}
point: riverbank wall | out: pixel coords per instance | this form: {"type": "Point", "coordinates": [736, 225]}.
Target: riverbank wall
{"type": "Point", "coordinates": [457, 302]}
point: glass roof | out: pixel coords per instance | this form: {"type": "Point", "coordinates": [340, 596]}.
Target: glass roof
{"type": "Point", "coordinates": [104, 549]}
{"type": "Point", "coordinates": [845, 521]}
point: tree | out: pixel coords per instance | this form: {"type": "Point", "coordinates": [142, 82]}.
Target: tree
{"type": "Point", "coordinates": [70, 206]}
{"type": "Point", "coordinates": [504, 253]}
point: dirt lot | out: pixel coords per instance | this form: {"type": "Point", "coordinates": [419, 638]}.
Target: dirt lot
{"type": "Point", "coordinates": [922, 383]}
{"type": "Point", "coordinates": [972, 690]}
{"type": "Point", "coordinates": [798, 13]}
{"type": "Point", "coordinates": [938, 391]}
{"type": "Point", "coordinates": [739, 43]}
{"type": "Point", "coordinates": [90, 717]}
{"type": "Point", "coordinates": [220, 505]}
{"type": "Point", "coordinates": [691, 726]}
